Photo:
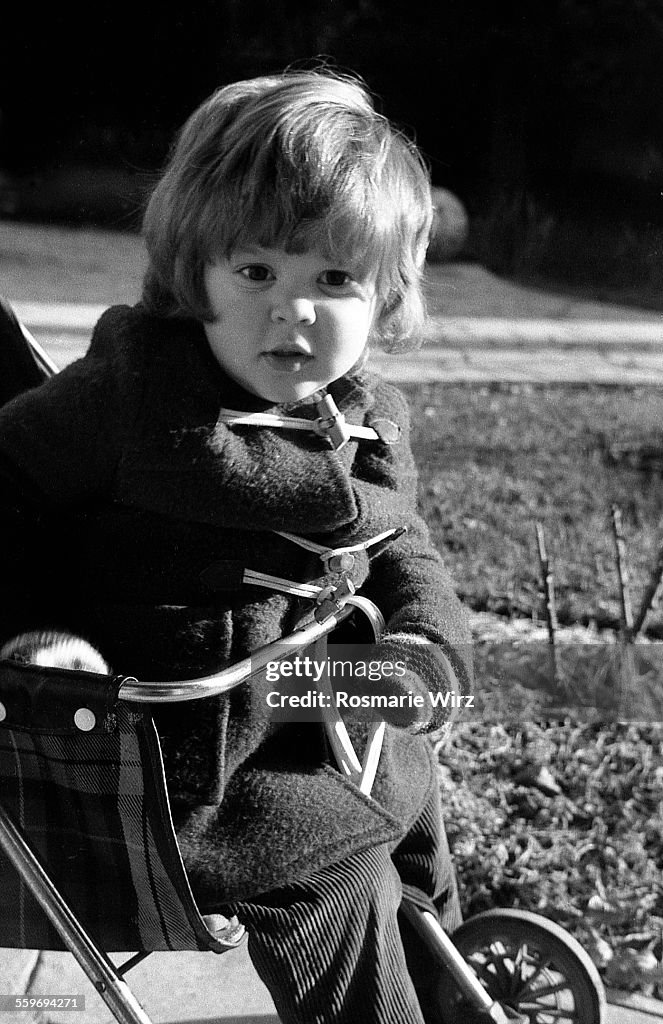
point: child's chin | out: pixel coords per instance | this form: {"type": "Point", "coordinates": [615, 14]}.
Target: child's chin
{"type": "Point", "coordinates": [295, 392]}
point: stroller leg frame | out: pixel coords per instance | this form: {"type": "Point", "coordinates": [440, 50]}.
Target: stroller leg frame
{"type": "Point", "coordinates": [100, 970]}
{"type": "Point", "coordinates": [439, 943]}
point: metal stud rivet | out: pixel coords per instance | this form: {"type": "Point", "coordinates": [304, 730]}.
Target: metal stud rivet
{"type": "Point", "coordinates": [84, 719]}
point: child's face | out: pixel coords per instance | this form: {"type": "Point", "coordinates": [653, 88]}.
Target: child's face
{"type": "Point", "coordinates": [287, 324]}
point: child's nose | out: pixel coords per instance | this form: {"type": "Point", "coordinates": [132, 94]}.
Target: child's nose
{"type": "Point", "coordinates": [293, 310]}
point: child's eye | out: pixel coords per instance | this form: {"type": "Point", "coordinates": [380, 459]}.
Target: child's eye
{"type": "Point", "coordinates": [256, 272]}
{"type": "Point", "coordinates": [335, 278]}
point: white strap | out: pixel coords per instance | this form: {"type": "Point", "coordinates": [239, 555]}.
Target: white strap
{"type": "Point", "coordinates": [263, 579]}
{"type": "Point", "coordinates": [270, 419]}
{"type": "Point", "coordinates": [362, 773]}
{"type": "Point", "coordinates": [372, 757]}
{"type": "Point", "coordinates": [325, 552]}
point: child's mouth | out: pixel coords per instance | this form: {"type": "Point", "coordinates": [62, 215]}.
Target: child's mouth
{"type": "Point", "coordinates": [286, 361]}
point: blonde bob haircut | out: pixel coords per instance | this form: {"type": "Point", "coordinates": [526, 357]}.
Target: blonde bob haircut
{"type": "Point", "coordinates": [296, 161]}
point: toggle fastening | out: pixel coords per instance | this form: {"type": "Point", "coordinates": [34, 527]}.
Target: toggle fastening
{"type": "Point", "coordinates": [331, 421]}
{"type": "Point", "coordinates": [330, 599]}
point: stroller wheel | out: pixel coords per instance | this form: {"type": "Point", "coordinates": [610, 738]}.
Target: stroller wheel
{"type": "Point", "coordinates": [530, 966]}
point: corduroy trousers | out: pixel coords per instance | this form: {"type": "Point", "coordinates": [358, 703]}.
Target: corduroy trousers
{"type": "Point", "coordinates": [331, 948]}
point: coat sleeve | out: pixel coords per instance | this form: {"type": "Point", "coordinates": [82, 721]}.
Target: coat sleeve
{"type": "Point", "coordinates": [414, 591]}
{"type": "Point", "coordinates": [425, 620]}
{"type": "Point", "coordinates": [66, 435]}
{"type": "Point", "coordinates": [59, 445]}
{"type": "Point", "coordinates": [33, 554]}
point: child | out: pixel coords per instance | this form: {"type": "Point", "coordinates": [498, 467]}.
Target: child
{"type": "Point", "coordinates": [286, 235]}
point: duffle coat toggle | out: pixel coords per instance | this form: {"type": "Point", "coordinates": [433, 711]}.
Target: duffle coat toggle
{"type": "Point", "coordinates": [328, 599]}
{"type": "Point", "coordinates": [340, 559]}
{"type": "Point", "coordinates": [330, 424]}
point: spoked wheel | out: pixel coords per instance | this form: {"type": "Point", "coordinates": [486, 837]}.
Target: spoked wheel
{"type": "Point", "coordinates": [529, 965]}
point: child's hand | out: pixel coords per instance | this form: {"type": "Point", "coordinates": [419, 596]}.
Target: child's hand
{"type": "Point", "coordinates": [53, 649]}
{"type": "Point", "coordinates": [413, 667]}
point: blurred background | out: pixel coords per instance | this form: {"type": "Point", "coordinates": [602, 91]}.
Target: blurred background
{"type": "Point", "coordinates": [544, 121]}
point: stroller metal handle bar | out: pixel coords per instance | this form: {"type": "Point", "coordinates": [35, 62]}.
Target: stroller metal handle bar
{"type": "Point", "coordinates": [162, 692]}
{"type": "Point", "coordinates": [42, 358]}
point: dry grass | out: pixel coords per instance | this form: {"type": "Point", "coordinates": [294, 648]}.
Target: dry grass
{"type": "Point", "coordinates": [495, 460]}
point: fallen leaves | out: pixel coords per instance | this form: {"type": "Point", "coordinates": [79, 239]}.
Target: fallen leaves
{"type": "Point", "coordinates": [566, 819]}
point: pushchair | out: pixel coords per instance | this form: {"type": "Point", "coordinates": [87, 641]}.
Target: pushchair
{"type": "Point", "coordinates": [84, 805]}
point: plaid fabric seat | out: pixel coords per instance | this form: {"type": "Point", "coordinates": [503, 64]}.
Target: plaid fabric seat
{"type": "Point", "coordinates": [81, 776]}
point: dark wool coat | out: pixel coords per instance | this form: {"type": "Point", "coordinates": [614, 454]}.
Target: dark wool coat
{"type": "Point", "coordinates": [130, 513]}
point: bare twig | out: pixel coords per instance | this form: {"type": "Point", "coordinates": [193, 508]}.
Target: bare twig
{"type": "Point", "coordinates": [623, 575]}
{"type": "Point", "coordinates": [627, 675]}
{"type": "Point", "coordinates": [549, 597]}
{"type": "Point", "coordinates": [651, 596]}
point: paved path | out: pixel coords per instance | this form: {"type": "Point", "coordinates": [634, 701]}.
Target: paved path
{"type": "Point", "coordinates": [194, 988]}
{"type": "Point", "coordinates": [476, 349]}
{"type": "Point", "coordinates": [482, 328]}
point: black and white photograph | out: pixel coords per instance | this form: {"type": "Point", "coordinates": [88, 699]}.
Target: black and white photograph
{"type": "Point", "coordinates": [331, 513]}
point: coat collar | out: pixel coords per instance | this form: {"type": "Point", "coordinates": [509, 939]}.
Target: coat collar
{"type": "Point", "coordinates": [182, 461]}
